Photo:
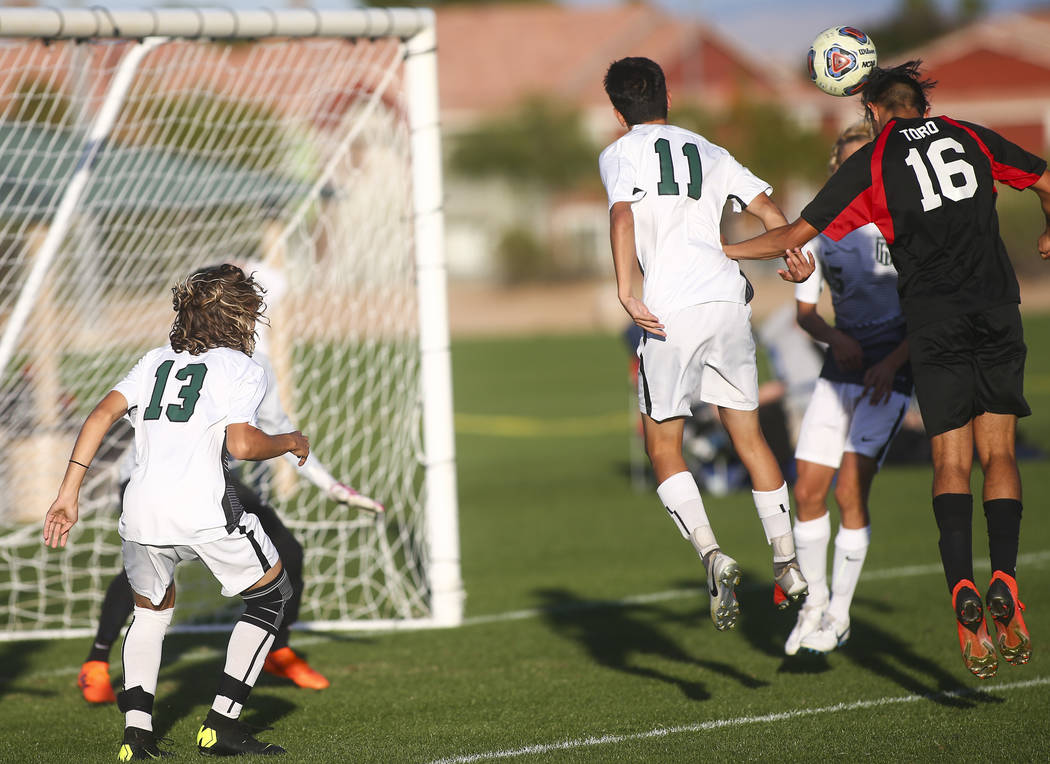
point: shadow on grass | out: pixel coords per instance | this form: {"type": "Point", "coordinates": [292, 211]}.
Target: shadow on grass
{"type": "Point", "coordinates": [14, 661]}
{"type": "Point", "coordinates": [618, 636]}
{"type": "Point", "coordinates": [871, 647]}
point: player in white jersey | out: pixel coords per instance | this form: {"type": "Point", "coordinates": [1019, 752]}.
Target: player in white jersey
{"type": "Point", "coordinates": [193, 404]}
{"type": "Point", "coordinates": [667, 187]}
{"type": "Point", "coordinates": [857, 407]}
{"type": "Point", "coordinates": [118, 604]}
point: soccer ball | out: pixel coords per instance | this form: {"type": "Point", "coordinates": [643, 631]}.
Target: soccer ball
{"type": "Point", "coordinates": [840, 60]}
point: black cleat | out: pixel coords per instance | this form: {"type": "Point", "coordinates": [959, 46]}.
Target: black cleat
{"type": "Point", "coordinates": [141, 745]}
{"type": "Point", "coordinates": [223, 736]}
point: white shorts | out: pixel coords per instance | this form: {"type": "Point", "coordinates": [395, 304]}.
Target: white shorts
{"type": "Point", "coordinates": [838, 419]}
{"type": "Point", "coordinates": [707, 356]}
{"type": "Point", "coordinates": [237, 561]}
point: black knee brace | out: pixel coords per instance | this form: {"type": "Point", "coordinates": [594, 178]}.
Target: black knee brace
{"type": "Point", "coordinates": [264, 607]}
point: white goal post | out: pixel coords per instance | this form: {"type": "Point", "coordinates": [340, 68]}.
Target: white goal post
{"type": "Point", "coordinates": [138, 146]}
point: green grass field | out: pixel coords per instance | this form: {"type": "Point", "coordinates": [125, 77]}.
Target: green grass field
{"type": "Point", "coordinates": [587, 636]}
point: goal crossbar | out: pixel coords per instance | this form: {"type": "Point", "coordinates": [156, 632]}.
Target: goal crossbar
{"type": "Point", "coordinates": [215, 23]}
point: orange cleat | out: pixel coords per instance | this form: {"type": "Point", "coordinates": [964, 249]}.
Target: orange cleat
{"type": "Point", "coordinates": [1005, 607]}
{"type": "Point", "coordinates": [94, 682]}
{"type": "Point", "coordinates": [284, 662]}
{"type": "Point", "coordinates": [977, 649]}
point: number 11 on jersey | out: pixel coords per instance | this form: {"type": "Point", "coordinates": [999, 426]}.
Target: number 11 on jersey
{"type": "Point", "coordinates": [668, 186]}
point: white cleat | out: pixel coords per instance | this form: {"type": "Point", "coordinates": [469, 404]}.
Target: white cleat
{"type": "Point", "coordinates": [830, 635]}
{"type": "Point", "coordinates": [809, 618]}
{"type": "Point", "coordinates": [789, 586]}
{"type": "Point", "coordinates": [723, 575]}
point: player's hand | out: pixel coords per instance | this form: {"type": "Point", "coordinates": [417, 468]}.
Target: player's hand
{"type": "Point", "coordinates": [640, 315]}
{"type": "Point", "coordinates": [879, 380]}
{"type": "Point", "coordinates": [59, 519]}
{"type": "Point", "coordinates": [1044, 244]}
{"type": "Point", "coordinates": [847, 351]}
{"type": "Point", "coordinates": [800, 266]}
{"type": "Point", "coordinates": [344, 494]}
{"type": "Point", "coordinates": [300, 446]}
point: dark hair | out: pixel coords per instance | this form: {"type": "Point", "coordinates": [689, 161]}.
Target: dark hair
{"type": "Point", "coordinates": [900, 87]}
{"type": "Point", "coordinates": [637, 89]}
{"type": "Point", "coordinates": [216, 307]}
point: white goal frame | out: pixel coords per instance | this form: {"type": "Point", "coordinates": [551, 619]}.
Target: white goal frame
{"type": "Point", "coordinates": [416, 29]}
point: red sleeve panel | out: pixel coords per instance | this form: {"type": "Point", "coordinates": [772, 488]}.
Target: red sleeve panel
{"type": "Point", "coordinates": [1010, 163]}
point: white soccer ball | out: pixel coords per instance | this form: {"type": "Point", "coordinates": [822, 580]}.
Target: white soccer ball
{"type": "Point", "coordinates": [841, 59]}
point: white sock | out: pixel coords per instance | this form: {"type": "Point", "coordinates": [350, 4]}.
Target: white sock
{"type": "Point", "coordinates": [851, 547]}
{"type": "Point", "coordinates": [811, 546]}
{"type": "Point", "coordinates": [141, 657]}
{"type": "Point", "coordinates": [773, 510]}
{"type": "Point", "coordinates": [681, 497]}
{"type": "Point", "coordinates": [244, 661]}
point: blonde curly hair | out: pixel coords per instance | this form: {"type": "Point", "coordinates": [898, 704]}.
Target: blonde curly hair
{"type": "Point", "coordinates": [858, 131]}
{"type": "Point", "coordinates": [216, 307]}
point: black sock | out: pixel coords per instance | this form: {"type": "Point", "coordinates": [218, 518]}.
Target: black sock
{"type": "Point", "coordinates": [954, 513]}
{"type": "Point", "coordinates": [1004, 530]}
{"type": "Point", "coordinates": [116, 607]}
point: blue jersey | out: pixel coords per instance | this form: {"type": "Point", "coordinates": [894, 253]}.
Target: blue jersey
{"type": "Point", "coordinates": [863, 284]}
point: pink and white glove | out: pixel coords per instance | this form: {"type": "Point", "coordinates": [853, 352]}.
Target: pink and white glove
{"type": "Point", "coordinates": [344, 494]}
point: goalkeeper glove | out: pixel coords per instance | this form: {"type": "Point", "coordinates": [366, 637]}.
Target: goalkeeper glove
{"type": "Point", "coordinates": [344, 494]}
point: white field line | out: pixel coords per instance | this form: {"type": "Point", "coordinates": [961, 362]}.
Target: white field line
{"type": "Point", "coordinates": [305, 639]}
{"type": "Point", "coordinates": [739, 721]}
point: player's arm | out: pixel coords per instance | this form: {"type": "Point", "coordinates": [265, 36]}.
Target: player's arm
{"type": "Point", "coordinates": [773, 243]}
{"type": "Point", "coordinates": [64, 511]}
{"type": "Point", "coordinates": [799, 266]}
{"type": "Point", "coordinates": [879, 378]}
{"type": "Point", "coordinates": [249, 443]}
{"type": "Point", "coordinates": [625, 260]}
{"type": "Point", "coordinates": [847, 351]}
{"type": "Point", "coordinates": [1042, 190]}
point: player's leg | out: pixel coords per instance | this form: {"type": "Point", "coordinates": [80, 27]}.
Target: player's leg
{"type": "Point", "coordinates": [852, 489]}
{"type": "Point", "coordinates": [681, 497]}
{"type": "Point", "coordinates": [1000, 364]}
{"type": "Point", "coordinates": [946, 386]}
{"type": "Point", "coordinates": [772, 501]}
{"type": "Point", "coordinates": [994, 435]}
{"type": "Point", "coordinates": [282, 660]}
{"type": "Point", "coordinates": [952, 453]}
{"type": "Point", "coordinates": [821, 441]}
{"type": "Point", "coordinates": [117, 606]}
{"type": "Point", "coordinates": [812, 535]}
{"type": "Point", "coordinates": [151, 573]}
{"type": "Point", "coordinates": [246, 563]}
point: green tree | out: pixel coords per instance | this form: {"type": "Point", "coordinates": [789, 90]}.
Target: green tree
{"type": "Point", "coordinates": [541, 144]}
{"type": "Point", "coordinates": [763, 138]}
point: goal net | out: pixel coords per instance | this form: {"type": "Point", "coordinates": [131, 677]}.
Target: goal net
{"type": "Point", "coordinates": [136, 147]}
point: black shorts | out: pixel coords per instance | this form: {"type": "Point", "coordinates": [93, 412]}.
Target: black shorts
{"type": "Point", "coordinates": [969, 365]}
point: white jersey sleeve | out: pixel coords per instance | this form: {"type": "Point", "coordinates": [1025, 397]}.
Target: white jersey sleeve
{"type": "Point", "coordinates": [131, 385]}
{"type": "Point", "coordinates": [248, 392]}
{"type": "Point", "coordinates": [743, 186]}
{"type": "Point", "coordinates": [810, 289]}
{"type": "Point", "coordinates": [619, 176]}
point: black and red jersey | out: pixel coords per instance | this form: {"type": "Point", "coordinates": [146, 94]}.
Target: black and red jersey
{"type": "Point", "coordinates": [929, 185]}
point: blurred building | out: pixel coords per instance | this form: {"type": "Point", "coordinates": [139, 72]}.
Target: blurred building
{"type": "Point", "coordinates": [996, 72]}
{"type": "Point", "coordinates": [495, 57]}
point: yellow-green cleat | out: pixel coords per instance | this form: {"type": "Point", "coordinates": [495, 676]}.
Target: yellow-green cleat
{"type": "Point", "coordinates": [223, 736]}
{"type": "Point", "coordinates": [141, 745]}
